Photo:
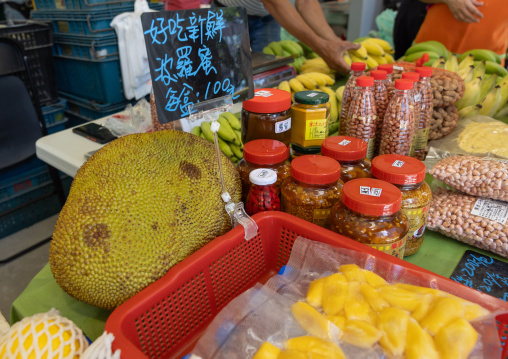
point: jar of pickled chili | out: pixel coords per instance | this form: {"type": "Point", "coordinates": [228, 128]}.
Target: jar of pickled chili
{"type": "Point", "coordinates": [269, 154]}
{"type": "Point", "coordinates": [350, 152]}
{"type": "Point", "coordinates": [313, 188]}
{"type": "Point", "coordinates": [263, 195]}
{"type": "Point", "coordinates": [408, 174]}
{"type": "Point", "coordinates": [369, 212]}
{"type": "Point", "coordinates": [267, 116]}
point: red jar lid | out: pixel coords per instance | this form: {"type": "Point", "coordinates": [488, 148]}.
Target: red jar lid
{"type": "Point", "coordinates": [398, 169]}
{"type": "Point", "coordinates": [265, 152]}
{"type": "Point", "coordinates": [344, 148]}
{"type": "Point", "coordinates": [267, 100]}
{"type": "Point", "coordinates": [315, 169]}
{"type": "Point", "coordinates": [358, 66]}
{"type": "Point", "coordinates": [386, 67]}
{"type": "Point", "coordinates": [378, 74]}
{"type": "Point", "coordinates": [365, 81]}
{"type": "Point", "coordinates": [424, 71]}
{"type": "Point", "coordinates": [404, 84]}
{"type": "Point", "coordinates": [371, 197]}
{"type": "Point", "coordinates": [413, 76]}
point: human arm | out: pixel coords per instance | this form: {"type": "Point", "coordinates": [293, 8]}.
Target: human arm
{"type": "Point", "coordinates": [319, 37]}
{"type": "Point", "coordinates": [462, 10]}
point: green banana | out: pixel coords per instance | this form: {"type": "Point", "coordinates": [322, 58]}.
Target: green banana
{"type": "Point", "coordinates": [207, 132]}
{"type": "Point", "coordinates": [487, 84]}
{"type": "Point", "coordinates": [360, 39]}
{"type": "Point", "coordinates": [276, 48]}
{"type": "Point", "coordinates": [479, 69]}
{"type": "Point", "coordinates": [424, 47]}
{"type": "Point", "coordinates": [202, 135]}
{"type": "Point", "coordinates": [305, 47]}
{"type": "Point", "coordinates": [471, 94]}
{"type": "Point", "coordinates": [439, 63]}
{"type": "Point", "coordinates": [502, 115]}
{"type": "Point", "coordinates": [469, 111]}
{"type": "Point", "coordinates": [292, 47]}
{"type": "Point", "coordinates": [492, 102]}
{"type": "Point", "coordinates": [268, 50]}
{"type": "Point", "coordinates": [466, 62]}
{"type": "Point", "coordinates": [312, 55]}
{"type": "Point", "coordinates": [452, 64]}
{"type": "Point", "coordinates": [234, 122]}
{"type": "Point", "coordinates": [225, 130]}
{"type": "Point", "coordinates": [239, 138]}
{"type": "Point", "coordinates": [225, 147]}
{"type": "Point", "coordinates": [196, 131]}
{"type": "Point", "coordinates": [236, 150]}
{"type": "Point", "coordinates": [334, 127]}
{"type": "Point", "coordinates": [480, 54]}
{"type": "Point", "coordinates": [416, 55]}
{"type": "Point", "coordinates": [504, 86]}
{"type": "Point", "coordinates": [494, 68]}
{"type": "Point", "coordinates": [443, 50]}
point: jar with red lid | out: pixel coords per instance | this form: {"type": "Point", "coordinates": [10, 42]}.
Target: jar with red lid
{"type": "Point", "coordinates": [426, 108]}
{"type": "Point", "coordinates": [313, 188]}
{"type": "Point", "coordinates": [357, 70]}
{"type": "Point", "coordinates": [263, 195]}
{"type": "Point", "coordinates": [413, 76]}
{"type": "Point", "coordinates": [408, 174]}
{"type": "Point", "coordinates": [362, 120]}
{"type": "Point", "coordinates": [350, 152]}
{"type": "Point", "coordinates": [267, 116]}
{"type": "Point", "coordinates": [269, 154]}
{"type": "Point", "coordinates": [369, 212]}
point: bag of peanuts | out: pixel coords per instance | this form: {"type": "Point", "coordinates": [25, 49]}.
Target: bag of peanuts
{"type": "Point", "coordinates": [477, 176]}
{"type": "Point", "coordinates": [443, 121]}
{"type": "Point", "coordinates": [479, 222]}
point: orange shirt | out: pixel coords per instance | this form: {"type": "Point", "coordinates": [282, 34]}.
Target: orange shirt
{"type": "Point", "coordinates": [458, 37]}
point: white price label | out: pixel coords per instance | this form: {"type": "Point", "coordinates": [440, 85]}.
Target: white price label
{"type": "Point", "coordinates": [418, 97]}
{"type": "Point", "coordinates": [312, 94]}
{"type": "Point", "coordinates": [263, 93]}
{"type": "Point", "coordinates": [491, 209]}
{"type": "Point", "coordinates": [368, 191]}
{"type": "Point", "coordinates": [400, 68]}
{"type": "Point", "coordinates": [496, 159]}
{"type": "Point", "coordinates": [398, 164]}
{"type": "Point", "coordinates": [283, 126]}
{"type": "Point", "coordinates": [344, 142]}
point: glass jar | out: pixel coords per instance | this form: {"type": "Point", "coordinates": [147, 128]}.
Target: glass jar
{"type": "Point", "coordinates": [381, 96]}
{"type": "Point", "coordinates": [313, 188]}
{"type": "Point", "coordinates": [369, 212]}
{"type": "Point", "coordinates": [357, 70]}
{"type": "Point", "coordinates": [426, 107]}
{"type": "Point", "coordinates": [297, 151]}
{"type": "Point", "coordinates": [269, 154]}
{"type": "Point", "coordinates": [398, 125]}
{"type": "Point", "coordinates": [267, 116]}
{"type": "Point", "coordinates": [362, 120]}
{"type": "Point", "coordinates": [388, 68]}
{"type": "Point", "coordinates": [263, 195]}
{"type": "Point", "coordinates": [350, 152]}
{"type": "Point", "coordinates": [413, 76]}
{"type": "Point", "coordinates": [310, 115]}
{"type": "Point", "coordinates": [408, 174]}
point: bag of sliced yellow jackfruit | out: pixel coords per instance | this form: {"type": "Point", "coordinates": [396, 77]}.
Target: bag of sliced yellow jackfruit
{"type": "Point", "coordinates": [336, 303]}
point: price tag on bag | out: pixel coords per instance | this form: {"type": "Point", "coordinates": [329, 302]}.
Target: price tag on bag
{"type": "Point", "coordinates": [491, 209]}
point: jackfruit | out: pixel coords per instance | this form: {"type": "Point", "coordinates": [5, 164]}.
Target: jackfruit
{"type": "Point", "coordinates": [267, 351]}
{"type": "Point", "coordinates": [137, 207]}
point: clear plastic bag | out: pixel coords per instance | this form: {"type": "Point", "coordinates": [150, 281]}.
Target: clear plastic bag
{"type": "Point", "coordinates": [137, 119]}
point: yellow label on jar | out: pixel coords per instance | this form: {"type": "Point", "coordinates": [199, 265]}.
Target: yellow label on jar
{"type": "Point", "coordinates": [308, 126]}
{"type": "Point", "coordinates": [395, 249]}
{"type": "Point", "coordinates": [416, 217]}
{"type": "Point", "coordinates": [422, 137]}
{"type": "Point", "coordinates": [316, 129]}
{"type": "Point", "coordinates": [321, 217]}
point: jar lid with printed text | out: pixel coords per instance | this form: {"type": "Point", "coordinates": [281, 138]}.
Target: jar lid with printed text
{"type": "Point", "coordinates": [344, 148]}
{"type": "Point", "coordinates": [268, 100]}
{"type": "Point", "coordinates": [315, 169]}
{"type": "Point", "coordinates": [398, 169]}
{"type": "Point", "coordinates": [265, 152]}
{"type": "Point", "coordinates": [311, 97]}
{"type": "Point", "coordinates": [371, 197]}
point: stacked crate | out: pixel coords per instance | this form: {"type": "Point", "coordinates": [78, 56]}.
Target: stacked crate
{"type": "Point", "coordinates": [87, 63]}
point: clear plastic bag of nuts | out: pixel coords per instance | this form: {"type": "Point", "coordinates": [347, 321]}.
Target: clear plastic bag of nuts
{"type": "Point", "coordinates": [362, 119]}
{"type": "Point", "coordinates": [398, 126]}
{"type": "Point", "coordinates": [357, 70]}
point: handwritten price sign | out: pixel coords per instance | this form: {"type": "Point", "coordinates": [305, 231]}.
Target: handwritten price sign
{"type": "Point", "coordinates": [197, 55]}
{"type": "Point", "coordinates": [483, 273]}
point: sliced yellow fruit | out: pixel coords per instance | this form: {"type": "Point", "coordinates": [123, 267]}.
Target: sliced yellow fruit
{"type": "Point", "coordinates": [457, 339]}
{"type": "Point", "coordinates": [312, 321]}
{"type": "Point", "coordinates": [371, 295]}
{"type": "Point", "coordinates": [355, 305]}
{"type": "Point", "coordinates": [353, 272]}
{"type": "Point", "coordinates": [419, 343]}
{"type": "Point", "coordinates": [335, 291]}
{"type": "Point", "coordinates": [392, 322]}
{"type": "Point", "coordinates": [442, 312]}
{"type": "Point", "coordinates": [313, 345]}
{"type": "Point", "coordinates": [267, 351]}
{"type": "Point", "coordinates": [361, 333]}
{"type": "Point", "coordinates": [315, 292]}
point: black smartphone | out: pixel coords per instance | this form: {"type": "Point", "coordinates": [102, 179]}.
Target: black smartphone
{"type": "Point", "coordinates": [95, 132]}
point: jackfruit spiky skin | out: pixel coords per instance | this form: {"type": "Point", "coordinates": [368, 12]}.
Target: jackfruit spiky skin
{"type": "Point", "coordinates": [138, 206]}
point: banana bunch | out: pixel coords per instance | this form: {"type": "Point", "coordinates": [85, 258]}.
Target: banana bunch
{"type": "Point", "coordinates": [373, 52]}
{"type": "Point", "coordinates": [434, 49]}
{"type": "Point", "coordinates": [482, 55]}
{"type": "Point", "coordinates": [314, 73]}
{"type": "Point", "coordinates": [229, 135]}
{"type": "Point", "coordinates": [287, 48]}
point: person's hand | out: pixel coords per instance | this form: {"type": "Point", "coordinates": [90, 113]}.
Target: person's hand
{"type": "Point", "coordinates": [332, 51]}
{"type": "Point", "coordinates": [465, 10]}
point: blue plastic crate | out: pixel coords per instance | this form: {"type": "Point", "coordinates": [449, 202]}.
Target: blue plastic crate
{"type": "Point", "coordinates": [86, 46]}
{"type": "Point", "coordinates": [35, 212]}
{"type": "Point", "coordinates": [86, 110]}
{"type": "Point", "coordinates": [91, 4]}
{"type": "Point", "coordinates": [98, 80]}
{"type": "Point", "coordinates": [54, 113]}
{"type": "Point", "coordinates": [57, 127]}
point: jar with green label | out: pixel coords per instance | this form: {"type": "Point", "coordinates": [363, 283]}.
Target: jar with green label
{"type": "Point", "coordinates": [408, 174]}
{"type": "Point", "coordinates": [310, 115]}
{"type": "Point", "coordinates": [369, 212]}
{"type": "Point", "coordinates": [313, 188]}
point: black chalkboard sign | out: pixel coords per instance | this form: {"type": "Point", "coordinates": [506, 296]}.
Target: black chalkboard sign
{"type": "Point", "coordinates": [197, 55]}
{"type": "Point", "coordinates": [483, 273]}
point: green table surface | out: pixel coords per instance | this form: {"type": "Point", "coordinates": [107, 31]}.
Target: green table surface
{"type": "Point", "coordinates": [438, 254]}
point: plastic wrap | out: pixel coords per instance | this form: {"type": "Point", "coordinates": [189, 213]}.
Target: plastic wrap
{"type": "Point", "coordinates": [137, 119]}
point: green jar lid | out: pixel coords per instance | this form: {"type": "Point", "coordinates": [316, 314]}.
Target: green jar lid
{"type": "Point", "coordinates": [311, 97]}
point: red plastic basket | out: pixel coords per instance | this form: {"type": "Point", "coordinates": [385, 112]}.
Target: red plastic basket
{"type": "Point", "coordinates": [167, 318]}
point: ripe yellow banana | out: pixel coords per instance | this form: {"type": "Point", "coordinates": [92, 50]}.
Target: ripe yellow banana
{"type": "Point", "coordinates": [492, 102]}
{"type": "Point", "coordinates": [334, 114]}
{"type": "Point", "coordinates": [372, 48]}
{"type": "Point", "coordinates": [471, 94]}
{"type": "Point", "coordinates": [355, 58]}
{"type": "Point", "coordinates": [371, 63]}
{"type": "Point", "coordinates": [466, 62]}
{"type": "Point", "coordinates": [383, 43]}
{"type": "Point", "coordinates": [308, 81]}
{"type": "Point", "coordinates": [323, 70]}
{"type": "Point", "coordinates": [296, 85]}
{"type": "Point", "coordinates": [389, 58]}
{"type": "Point", "coordinates": [339, 92]}
{"type": "Point", "coordinates": [347, 58]}
{"type": "Point", "coordinates": [469, 111]}
{"type": "Point", "coordinates": [360, 52]}
{"type": "Point", "coordinates": [315, 61]}
{"type": "Point", "coordinates": [321, 79]}
{"type": "Point", "coordinates": [452, 64]}
{"type": "Point", "coordinates": [381, 60]}
{"type": "Point", "coordinates": [284, 85]}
